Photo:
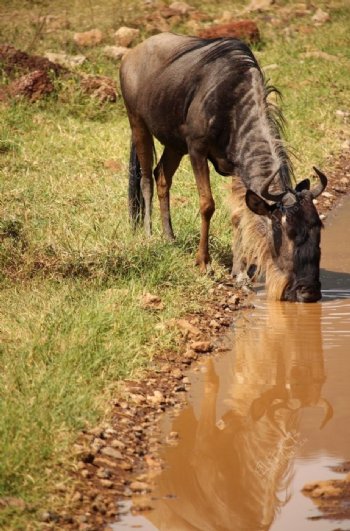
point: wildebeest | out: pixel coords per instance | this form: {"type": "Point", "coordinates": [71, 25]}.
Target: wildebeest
{"type": "Point", "coordinates": [208, 98]}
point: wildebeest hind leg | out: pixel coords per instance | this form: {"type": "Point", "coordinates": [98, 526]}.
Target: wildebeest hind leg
{"type": "Point", "coordinates": [143, 141]}
{"type": "Point", "coordinates": [206, 203]}
{"type": "Point", "coordinates": [163, 174]}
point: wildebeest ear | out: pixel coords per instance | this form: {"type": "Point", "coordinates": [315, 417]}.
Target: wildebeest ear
{"type": "Point", "coordinates": [256, 204]}
{"type": "Point", "coordinates": [303, 185]}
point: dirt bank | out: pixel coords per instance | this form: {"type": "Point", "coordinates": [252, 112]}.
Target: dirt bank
{"type": "Point", "coordinates": [112, 462]}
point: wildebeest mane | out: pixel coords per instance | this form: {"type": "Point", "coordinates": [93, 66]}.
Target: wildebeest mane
{"type": "Point", "coordinates": [217, 48]}
{"type": "Point", "coordinates": [240, 58]}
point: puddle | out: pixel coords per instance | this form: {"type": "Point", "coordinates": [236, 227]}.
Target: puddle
{"type": "Point", "coordinates": [265, 418]}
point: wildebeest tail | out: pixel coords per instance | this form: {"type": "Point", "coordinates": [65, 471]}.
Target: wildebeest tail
{"type": "Point", "coordinates": [136, 201]}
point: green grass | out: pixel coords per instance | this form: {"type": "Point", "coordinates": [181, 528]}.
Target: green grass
{"type": "Point", "coordinates": [72, 272]}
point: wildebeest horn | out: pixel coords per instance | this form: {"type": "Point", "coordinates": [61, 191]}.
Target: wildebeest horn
{"type": "Point", "coordinates": [328, 411]}
{"type": "Point", "coordinates": [265, 189]}
{"type": "Point", "coordinates": [318, 189]}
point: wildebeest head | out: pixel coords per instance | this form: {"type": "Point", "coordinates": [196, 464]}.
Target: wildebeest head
{"type": "Point", "coordinates": [294, 233]}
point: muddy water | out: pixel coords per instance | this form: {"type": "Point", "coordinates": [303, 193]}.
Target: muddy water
{"type": "Point", "coordinates": [267, 417]}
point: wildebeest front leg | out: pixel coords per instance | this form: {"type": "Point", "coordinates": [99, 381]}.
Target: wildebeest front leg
{"type": "Point", "coordinates": [206, 204]}
{"type": "Point", "coordinates": [143, 141]}
{"type": "Point", "coordinates": [163, 174]}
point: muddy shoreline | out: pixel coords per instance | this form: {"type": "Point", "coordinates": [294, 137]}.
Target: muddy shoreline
{"type": "Point", "coordinates": [114, 461]}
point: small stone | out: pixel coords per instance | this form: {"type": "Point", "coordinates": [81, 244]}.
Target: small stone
{"type": "Point", "coordinates": [111, 452]}
{"type": "Point", "coordinates": [190, 355]}
{"type": "Point", "coordinates": [234, 300]}
{"type": "Point", "coordinates": [104, 473]}
{"type": "Point", "coordinates": [124, 36]}
{"type": "Point", "coordinates": [185, 380]}
{"type": "Point", "coordinates": [115, 52]}
{"type": "Point", "coordinates": [259, 5]}
{"type": "Point", "coordinates": [77, 497]}
{"type": "Point", "coordinates": [329, 195]}
{"type": "Point", "coordinates": [115, 443]}
{"type": "Point", "coordinates": [320, 17]}
{"type": "Point", "coordinates": [156, 398]}
{"type": "Point", "coordinates": [106, 483]}
{"type": "Point", "coordinates": [166, 367]}
{"type": "Point", "coordinates": [141, 504]}
{"type": "Point", "coordinates": [322, 217]}
{"type": "Point", "coordinates": [180, 8]}
{"type": "Point", "coordinates": [345, 181]}
{"type": "Point", "coordinates": [63, 59]}
{"type": "Point", "coordinates": [176, 373]}
{"type": "Point", "coordinates": [88, 38]}
{"type": "Point", "coordinates": [148, 301]}
{"type": "Point", "coordinates": [246, 30]}
{"type": "Point", "coordinates": [124, 465]}
{"type": "Point", "coordinates": [139, 486]}
{"type": "Point", "coordinates": [187, 327]}
{"type": "Point", "coordinates": [202, 346]}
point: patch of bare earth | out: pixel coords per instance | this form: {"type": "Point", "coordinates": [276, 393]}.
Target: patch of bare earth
{"type": "Point", "coordinates": [114, 461]}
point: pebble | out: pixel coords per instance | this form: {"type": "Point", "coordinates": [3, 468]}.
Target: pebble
{"type": "Point", "coordinates": [176, 373]}
{"type": "Point", "coordinates": [111, 452]}
{"type": "Point", "coordinates": [124, 36]}
{"type": "Point", "coordinates": [201, 346]}
{"type": "Point", "coordinates": [139, 486]}
{"type": "Point", "coordinates": [106, 483]}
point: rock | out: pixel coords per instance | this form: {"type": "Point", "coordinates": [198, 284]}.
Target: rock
{"type": "Point", "coordinates": [63, 59]}
{"type": "Point", "coordinates": [202, 346]}
{"type": "Point", "coordinates": [100, 87]}
{"type": "Point", "coordinates": [346, 145]}
{"type": "Point", "coordinates": [329, 195]}
{"type": "Point", "coordinates": [115, 443]}
{"type": "Point", "coordinates": [139, 486]}
{"type": "Point", "coordinates": [320, 17]}
{"type": "Point", "coordinates": [234, 300]}
{"type": "Point", "coordinates": [115, 52]}
{"type": "Point", "coordinates": [111, 452]}
{"type": "Point", "coordinates": [107, 483]}
{"type": "Point", "coordinates": [345, 181]}
{"type": "Point", "coordinates": [33, 86]}
{"type": "Point", "coordinates": [124, 36]}
{"type": "Point", "coordinates": [176, 373]}
{"type": "Point", "coordinates": [156, 398]}
{"type": "Point", "coordinates": [151, 302]}
{"type": "Point", "coordinates": [322, 489]}
{"type": "Point", "coordinates": [246, 30]}
{"type": "Point", "coordinates": [141, 504]}
{"type": "Point", "coordinates": [186, 327]}
{"type": "Point", "coordinates": [259, 5]}
{"type": "Point", "coordinates": [88, 38]}
{"type": "Point", "coordinates": [104, 473]}
{"type": "Point", "coordinates": [77, 497]}
{"type": "Point", "coordinates": [322, 217]}
{"type": "Point", "coordinates": [181, 8]}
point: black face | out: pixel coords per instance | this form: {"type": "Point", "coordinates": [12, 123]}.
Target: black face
{"type": "Point", "coordinates": [299, 254]}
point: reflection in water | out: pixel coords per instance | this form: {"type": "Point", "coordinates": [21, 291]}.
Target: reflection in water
{"type": "Point", "coordinates": [233, 462]}
{"type": "Point", "coordinates": [256, 409]}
